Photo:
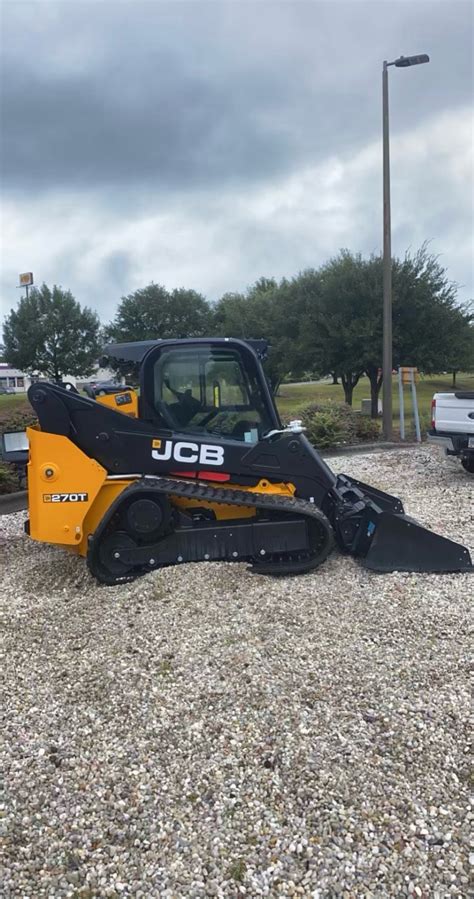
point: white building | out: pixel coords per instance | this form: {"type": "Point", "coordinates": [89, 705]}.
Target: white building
{"type": "Point", "coordinates": [20, 382]}
{"type": "Point", "coordinates": [11, 377]}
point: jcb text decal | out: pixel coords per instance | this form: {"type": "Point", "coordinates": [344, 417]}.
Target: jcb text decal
{"type": "Point", "coordinates": [204, 453]}
{"type": "Point", "coordinates": [65, 497]}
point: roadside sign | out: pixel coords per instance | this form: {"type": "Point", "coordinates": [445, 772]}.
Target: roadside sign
{"type": "Point", "coordinates": [408, 374]}
{"type": "Point", "coordinates": [26, 279]}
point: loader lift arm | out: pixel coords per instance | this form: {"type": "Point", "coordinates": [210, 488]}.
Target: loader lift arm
{"type": "Point", "coordinates": [207, 471]}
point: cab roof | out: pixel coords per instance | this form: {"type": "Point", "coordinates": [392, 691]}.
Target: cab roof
{"type": "Point", "coordinates": [135, 352]}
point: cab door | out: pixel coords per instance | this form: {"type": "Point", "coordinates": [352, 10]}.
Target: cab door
{"type": "Point", "coordinates": [208, 388]}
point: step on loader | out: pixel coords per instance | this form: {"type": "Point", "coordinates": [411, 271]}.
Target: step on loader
{"type": "Point", "coordinates": [197, 466]}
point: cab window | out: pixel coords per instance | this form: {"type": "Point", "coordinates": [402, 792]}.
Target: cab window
{"type": "Point", "coordinates": [210, 390]}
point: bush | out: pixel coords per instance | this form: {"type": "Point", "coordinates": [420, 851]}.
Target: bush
{"type": "Point", "coordinates": [9, 480]}
{"type": "Point", "coordinates": [15, 417]}
{"type": "Point", "coordinates": [331, 424]}
{"type": "Point", "coordinates": [367, 429]}
{"type": "Point", "coordinates": [328, 424]}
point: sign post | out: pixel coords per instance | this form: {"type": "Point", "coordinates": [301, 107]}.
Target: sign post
{"type": "Point", "coordinates": [413, 372]}
{"type": "Point", "coordinates": [26, 281]}
{"type": "Point", "coordinates": [402, 405]}
{"type": "Point", "coordinates": [409, 376]}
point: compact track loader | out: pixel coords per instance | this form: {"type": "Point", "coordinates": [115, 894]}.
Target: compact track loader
{"type": "Point", "coordinates": [198, 466]}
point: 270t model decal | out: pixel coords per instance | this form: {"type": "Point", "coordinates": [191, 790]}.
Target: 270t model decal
{"type": "Point", "coordinates": [65, 497]}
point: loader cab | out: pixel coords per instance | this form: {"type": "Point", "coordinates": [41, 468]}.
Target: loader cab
{"type": "Point", "coordinates": [207, 387]}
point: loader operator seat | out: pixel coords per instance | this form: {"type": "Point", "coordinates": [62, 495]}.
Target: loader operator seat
{"type": "Point", "coordinates": [186, 406]}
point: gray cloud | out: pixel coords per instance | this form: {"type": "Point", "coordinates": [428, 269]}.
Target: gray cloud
{"type": "Point", "coordinates": [186, 94]}
{"type": "Point", "coordinates": [175, 117]}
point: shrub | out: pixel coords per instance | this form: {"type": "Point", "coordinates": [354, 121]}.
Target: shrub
{"type": "Point", "coordinates": [367, 429]}
{"type": "Point", "coordinates": [328, 424]}
{"type": "Point", "coordinates": [332, 424]}
{"type": "Point", "coordinates": [16, 417]}
{"type": "Point", "coordinates": [9, 480]}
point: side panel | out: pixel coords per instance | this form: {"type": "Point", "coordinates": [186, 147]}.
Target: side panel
{"type": "Point", "coordinates": [125, 401]}
{"type": "Point", "coordinates": [125, 446]}
{"type": "Point", "coordinates": [62, 486]}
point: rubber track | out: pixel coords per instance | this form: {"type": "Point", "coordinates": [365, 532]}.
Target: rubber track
{"type": "Point", "coordinates": [197, 490]}
{"type": "Point", "coordinates": [234, 497]}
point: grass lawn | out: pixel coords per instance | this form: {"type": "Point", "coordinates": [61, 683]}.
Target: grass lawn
{"type": "Point", "coordinates": [292, 397]}
{"type": "Point", "coordinates": [14, 408]}
{"type": "Point", "coordinates": [12, 399]}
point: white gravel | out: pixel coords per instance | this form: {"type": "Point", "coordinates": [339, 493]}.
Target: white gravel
{"type": "Point", "coordinates": [208, 732]}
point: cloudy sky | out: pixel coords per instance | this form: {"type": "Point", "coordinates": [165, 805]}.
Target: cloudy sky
{"type": "Point", "coordinates": [204, 143]}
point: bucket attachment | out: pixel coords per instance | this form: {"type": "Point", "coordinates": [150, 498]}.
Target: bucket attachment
{"type": "Point", "coordinates": [399, 543]}
{"type": "Point", "coordinates": [372, 525]}
{"type": "Point", "coordinates": [382, 499]}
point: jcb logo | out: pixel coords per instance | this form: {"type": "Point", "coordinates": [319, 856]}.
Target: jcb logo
{"type": "Point", "coordinates": [204, 453]}
{"type": "Point", "coordinates": [65, 497]}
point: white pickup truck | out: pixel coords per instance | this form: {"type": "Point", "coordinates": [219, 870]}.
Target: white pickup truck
{"type": "Point", "coordinates": [452, 425]}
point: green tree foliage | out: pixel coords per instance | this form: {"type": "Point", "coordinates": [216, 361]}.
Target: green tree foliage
{"type": "Point", "coordinates": [430, 329]}
{"type": "Point", "coordinates": [329, 321]}
{"type": "Point", "coordinates": [267, 310]}
{"type": "Point", "coordinates": [341, 325]}
{"type": "Point", "coordinates": [155, 313]}
{"type": "Point", "coordinates": [461, 337]}
{"type": "Point", "coordinates": [51, 334]}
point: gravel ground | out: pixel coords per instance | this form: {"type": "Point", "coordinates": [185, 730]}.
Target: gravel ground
{"type": "Point", "coordinates": [208, 732]}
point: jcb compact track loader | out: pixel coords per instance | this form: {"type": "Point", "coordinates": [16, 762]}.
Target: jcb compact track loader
{"type": "Point", "coordinates": [198, 466]}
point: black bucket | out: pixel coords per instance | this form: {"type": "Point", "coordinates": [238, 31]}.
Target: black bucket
{"type": "Point", "coordinates": [382, 499]}
{"type": "Point", "coordinates": [399, 543]}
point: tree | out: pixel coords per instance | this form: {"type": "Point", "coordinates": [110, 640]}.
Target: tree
{"type": "Point", "coordinates": [265, 311]}
{"type": "Point", "coordinates": [461, 342]}
{"type": "Point", "coordinates": [153, 312]}
{"type": "Point", "coordinates": [336, 320]}
{"type": "Point", "coordinates": [342, 327]}
{"type": "Point", "coordinates": [49, 333]}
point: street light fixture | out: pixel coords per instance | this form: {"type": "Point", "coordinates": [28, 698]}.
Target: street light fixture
{"type": "Point", "coordinates": [401, 63]}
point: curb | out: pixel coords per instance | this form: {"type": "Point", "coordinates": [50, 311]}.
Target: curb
{"type": "Point", "coordinates": [13, 502]}
{"type": "Point", "coordinates": [367, 448]}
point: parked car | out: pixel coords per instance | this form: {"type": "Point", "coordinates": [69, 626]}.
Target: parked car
{"type": "Point", "coordinates": [102, 388]}
{"type": "Point", "coordinates": [452, 425]}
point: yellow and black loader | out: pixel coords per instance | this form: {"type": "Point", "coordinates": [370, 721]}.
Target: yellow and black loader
{"type": "Point", "coordinates": [198, 467]}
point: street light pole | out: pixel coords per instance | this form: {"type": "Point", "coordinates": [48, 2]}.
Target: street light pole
{"type": "Point", "coordinates": [387, 361]}
{"type": "Point", "coordinates": [387, 270]}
